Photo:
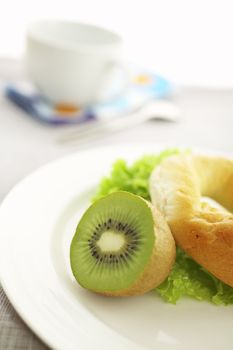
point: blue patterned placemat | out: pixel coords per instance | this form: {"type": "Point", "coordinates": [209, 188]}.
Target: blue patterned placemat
{"type": "Point", "coordinates": [144, 85]}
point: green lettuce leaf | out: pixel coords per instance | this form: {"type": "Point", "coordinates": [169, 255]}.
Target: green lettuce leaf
{"type": "Point", "coordinates": [132, 178]}
{"type": "Point", "coordinates": [187, 277]}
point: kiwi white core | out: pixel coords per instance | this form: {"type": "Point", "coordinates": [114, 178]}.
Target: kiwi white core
{"type": "Point", "coordinates": [111, 241]}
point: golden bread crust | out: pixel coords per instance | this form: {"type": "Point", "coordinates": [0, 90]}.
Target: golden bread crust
{"type": "Point", "coordinates": [177, 186]}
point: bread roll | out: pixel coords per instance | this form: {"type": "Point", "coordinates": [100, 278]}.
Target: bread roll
{"type": "Point", "coordinates": [205, 232]}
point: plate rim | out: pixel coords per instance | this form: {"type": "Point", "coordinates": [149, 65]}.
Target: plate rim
{"type": "Point", "coordinates": [68, 157]}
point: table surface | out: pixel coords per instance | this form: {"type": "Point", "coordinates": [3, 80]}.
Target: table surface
{"type": "Point", "coordinates": [25, 144]}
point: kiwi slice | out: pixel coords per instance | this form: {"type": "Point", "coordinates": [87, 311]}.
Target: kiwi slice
{"type": "Point", "coordinates": [115, 247]}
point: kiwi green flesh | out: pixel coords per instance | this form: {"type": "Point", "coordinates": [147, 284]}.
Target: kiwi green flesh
{"type": "Point", "coordinates": [113, 243]}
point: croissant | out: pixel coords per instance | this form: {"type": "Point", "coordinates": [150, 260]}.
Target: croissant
{"type": "Point", "coordinates": [203, 230]}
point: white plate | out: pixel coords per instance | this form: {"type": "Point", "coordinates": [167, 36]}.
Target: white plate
{"type": "Point", "coordinates": [37, 222]}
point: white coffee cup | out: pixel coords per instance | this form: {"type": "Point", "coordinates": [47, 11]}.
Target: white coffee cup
{"type": "Point", "coordinates": [74, 63]}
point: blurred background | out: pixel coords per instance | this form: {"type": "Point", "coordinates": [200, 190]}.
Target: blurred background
{"type": "Point", "coordinates": [187, 41]}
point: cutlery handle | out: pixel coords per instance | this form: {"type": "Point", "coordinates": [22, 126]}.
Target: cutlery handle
{"type": "Point", "coordinates": [156, 110]}
{"type": "Point", "coordinates": [102, 127]}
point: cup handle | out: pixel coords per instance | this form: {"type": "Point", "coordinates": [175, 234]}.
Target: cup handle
{"type": "Point", "coordinates": [109, 89]}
